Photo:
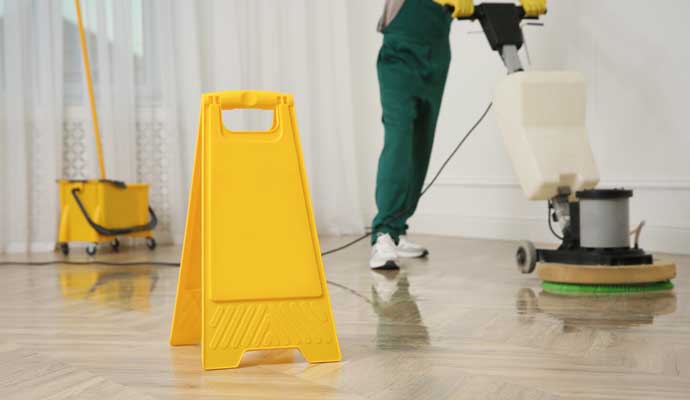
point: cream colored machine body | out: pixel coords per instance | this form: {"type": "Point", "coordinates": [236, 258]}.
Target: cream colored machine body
{"type": "Point", "coordinates": [541, 116]}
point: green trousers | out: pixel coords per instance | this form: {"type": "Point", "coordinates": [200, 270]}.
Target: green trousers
{"type": "Point", "coordinates": [412, 68]}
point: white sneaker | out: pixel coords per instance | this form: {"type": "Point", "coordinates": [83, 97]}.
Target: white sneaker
{"type": "Point", "coordinates": [383, 253]}
{"type": "Point", "coordinates": [407, 249]}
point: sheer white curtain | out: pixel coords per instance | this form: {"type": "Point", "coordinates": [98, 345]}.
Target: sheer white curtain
{"type": "Point", "coordinates": [31, 123]}
{"type": "Point", "coordinates": [300, 47]}
{"type": "Point", "coordinates": [151, 59]}
{"type": "Point", "coordinates": [144, 62]}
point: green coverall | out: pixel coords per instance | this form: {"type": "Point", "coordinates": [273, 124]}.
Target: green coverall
{"type": "Point", "coordinates": [412, 68]}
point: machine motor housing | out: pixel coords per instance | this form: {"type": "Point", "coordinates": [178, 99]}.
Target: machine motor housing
{"type": "Point", "coordinates": [598, 232]}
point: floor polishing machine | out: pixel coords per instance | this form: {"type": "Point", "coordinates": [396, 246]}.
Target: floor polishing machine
{"type": "Point", "coordinates": [541, 115]}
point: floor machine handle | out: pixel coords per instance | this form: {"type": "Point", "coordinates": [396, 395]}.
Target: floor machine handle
{"type": "Point", "coordinates": [481, 11]}
{"type": "Point", "coordinates": [115, 231]}
{"type": "Point", "coordinates": [501, 25]}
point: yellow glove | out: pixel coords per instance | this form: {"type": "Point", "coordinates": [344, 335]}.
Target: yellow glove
{"type": "Point", "coordinates": [534, 8]}
{"type": "Point", "coordinates": [461, 8]}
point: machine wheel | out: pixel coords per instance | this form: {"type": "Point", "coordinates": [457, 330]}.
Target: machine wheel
{"type": "Point", "coordinates": [150, 243]}
{"type": "Point", "coordinates": [526, 257]}
{"type": "Point", "coordinates": [64, 248]}
{"type": "Point", "coordinates": [91, 249]}
{"type": "Point", "coordinates": [115, 245]}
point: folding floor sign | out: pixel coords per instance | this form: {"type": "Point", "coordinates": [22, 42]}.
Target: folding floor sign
{"type": "Point", "coordinates": [251, 275]}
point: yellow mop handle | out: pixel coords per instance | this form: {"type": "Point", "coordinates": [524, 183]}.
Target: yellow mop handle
{"type": "Point", "coordinates": [92, 100]}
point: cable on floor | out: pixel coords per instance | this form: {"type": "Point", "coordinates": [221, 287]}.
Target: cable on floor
{"type": "Point", "coordinates": [95, 262]}
{"type": "Point", "coordinates": [154, 263]}
{"type": "Point", "coordinates": [325, 253]}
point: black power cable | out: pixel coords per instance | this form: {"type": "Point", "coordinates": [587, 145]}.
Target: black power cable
{"type": "Point", "coordinates": [428, 186]}
{"type": "Point", "coordinates": [548, 217]}
{"type": "Point", "coordinates": [154, 263]}
{"type": "Point", "coordinates": [68, 262]}
{"type": "Point", "coordinates": [325, 253]}
{"type": "Point", "coordinates": [346, 245]}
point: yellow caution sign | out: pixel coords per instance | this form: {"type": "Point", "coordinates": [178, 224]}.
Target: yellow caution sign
{"type": "Point", "coordinates": [251, 276]}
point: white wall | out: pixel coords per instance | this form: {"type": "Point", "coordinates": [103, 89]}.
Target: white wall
{"type": "Point", "coordinates": [635, 56]}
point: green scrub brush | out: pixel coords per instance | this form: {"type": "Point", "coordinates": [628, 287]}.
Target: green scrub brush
{"type": "Point", "coordinates": [575, 289]}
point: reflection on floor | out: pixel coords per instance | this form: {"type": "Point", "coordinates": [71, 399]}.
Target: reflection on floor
{"type": "Point", "coordinates": [596, 311]}
{"type": "Point", "coordinates": [115, 286]}
{"type": "Point", "coordinates": [400, 324]}
{"type": "Point", "coordinates": [462, 324]}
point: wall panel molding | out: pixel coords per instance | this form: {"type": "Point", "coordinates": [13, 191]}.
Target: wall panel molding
{"type": "Point", "coordinates": [509, 182]}
{"type": "Point", "coordinates": [657, 238]}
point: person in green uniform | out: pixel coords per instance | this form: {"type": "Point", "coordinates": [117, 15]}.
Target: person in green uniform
{"type": "Point", "coordinates": [412, 67]}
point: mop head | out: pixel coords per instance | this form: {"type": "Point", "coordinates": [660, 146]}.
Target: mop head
{"type": "Point", "coordinates": [589, 289]}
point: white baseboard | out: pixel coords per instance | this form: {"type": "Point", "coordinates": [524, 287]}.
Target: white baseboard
{"type": "Point", "coordinates": [664, 183]}
{"type": "Point", "coordinates": [667, 239]}
{"type": "Point", "coordinates": [495, 208]}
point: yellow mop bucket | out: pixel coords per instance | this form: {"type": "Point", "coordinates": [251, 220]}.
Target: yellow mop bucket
{"type": "Point", "coordinates": [98, 211]}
